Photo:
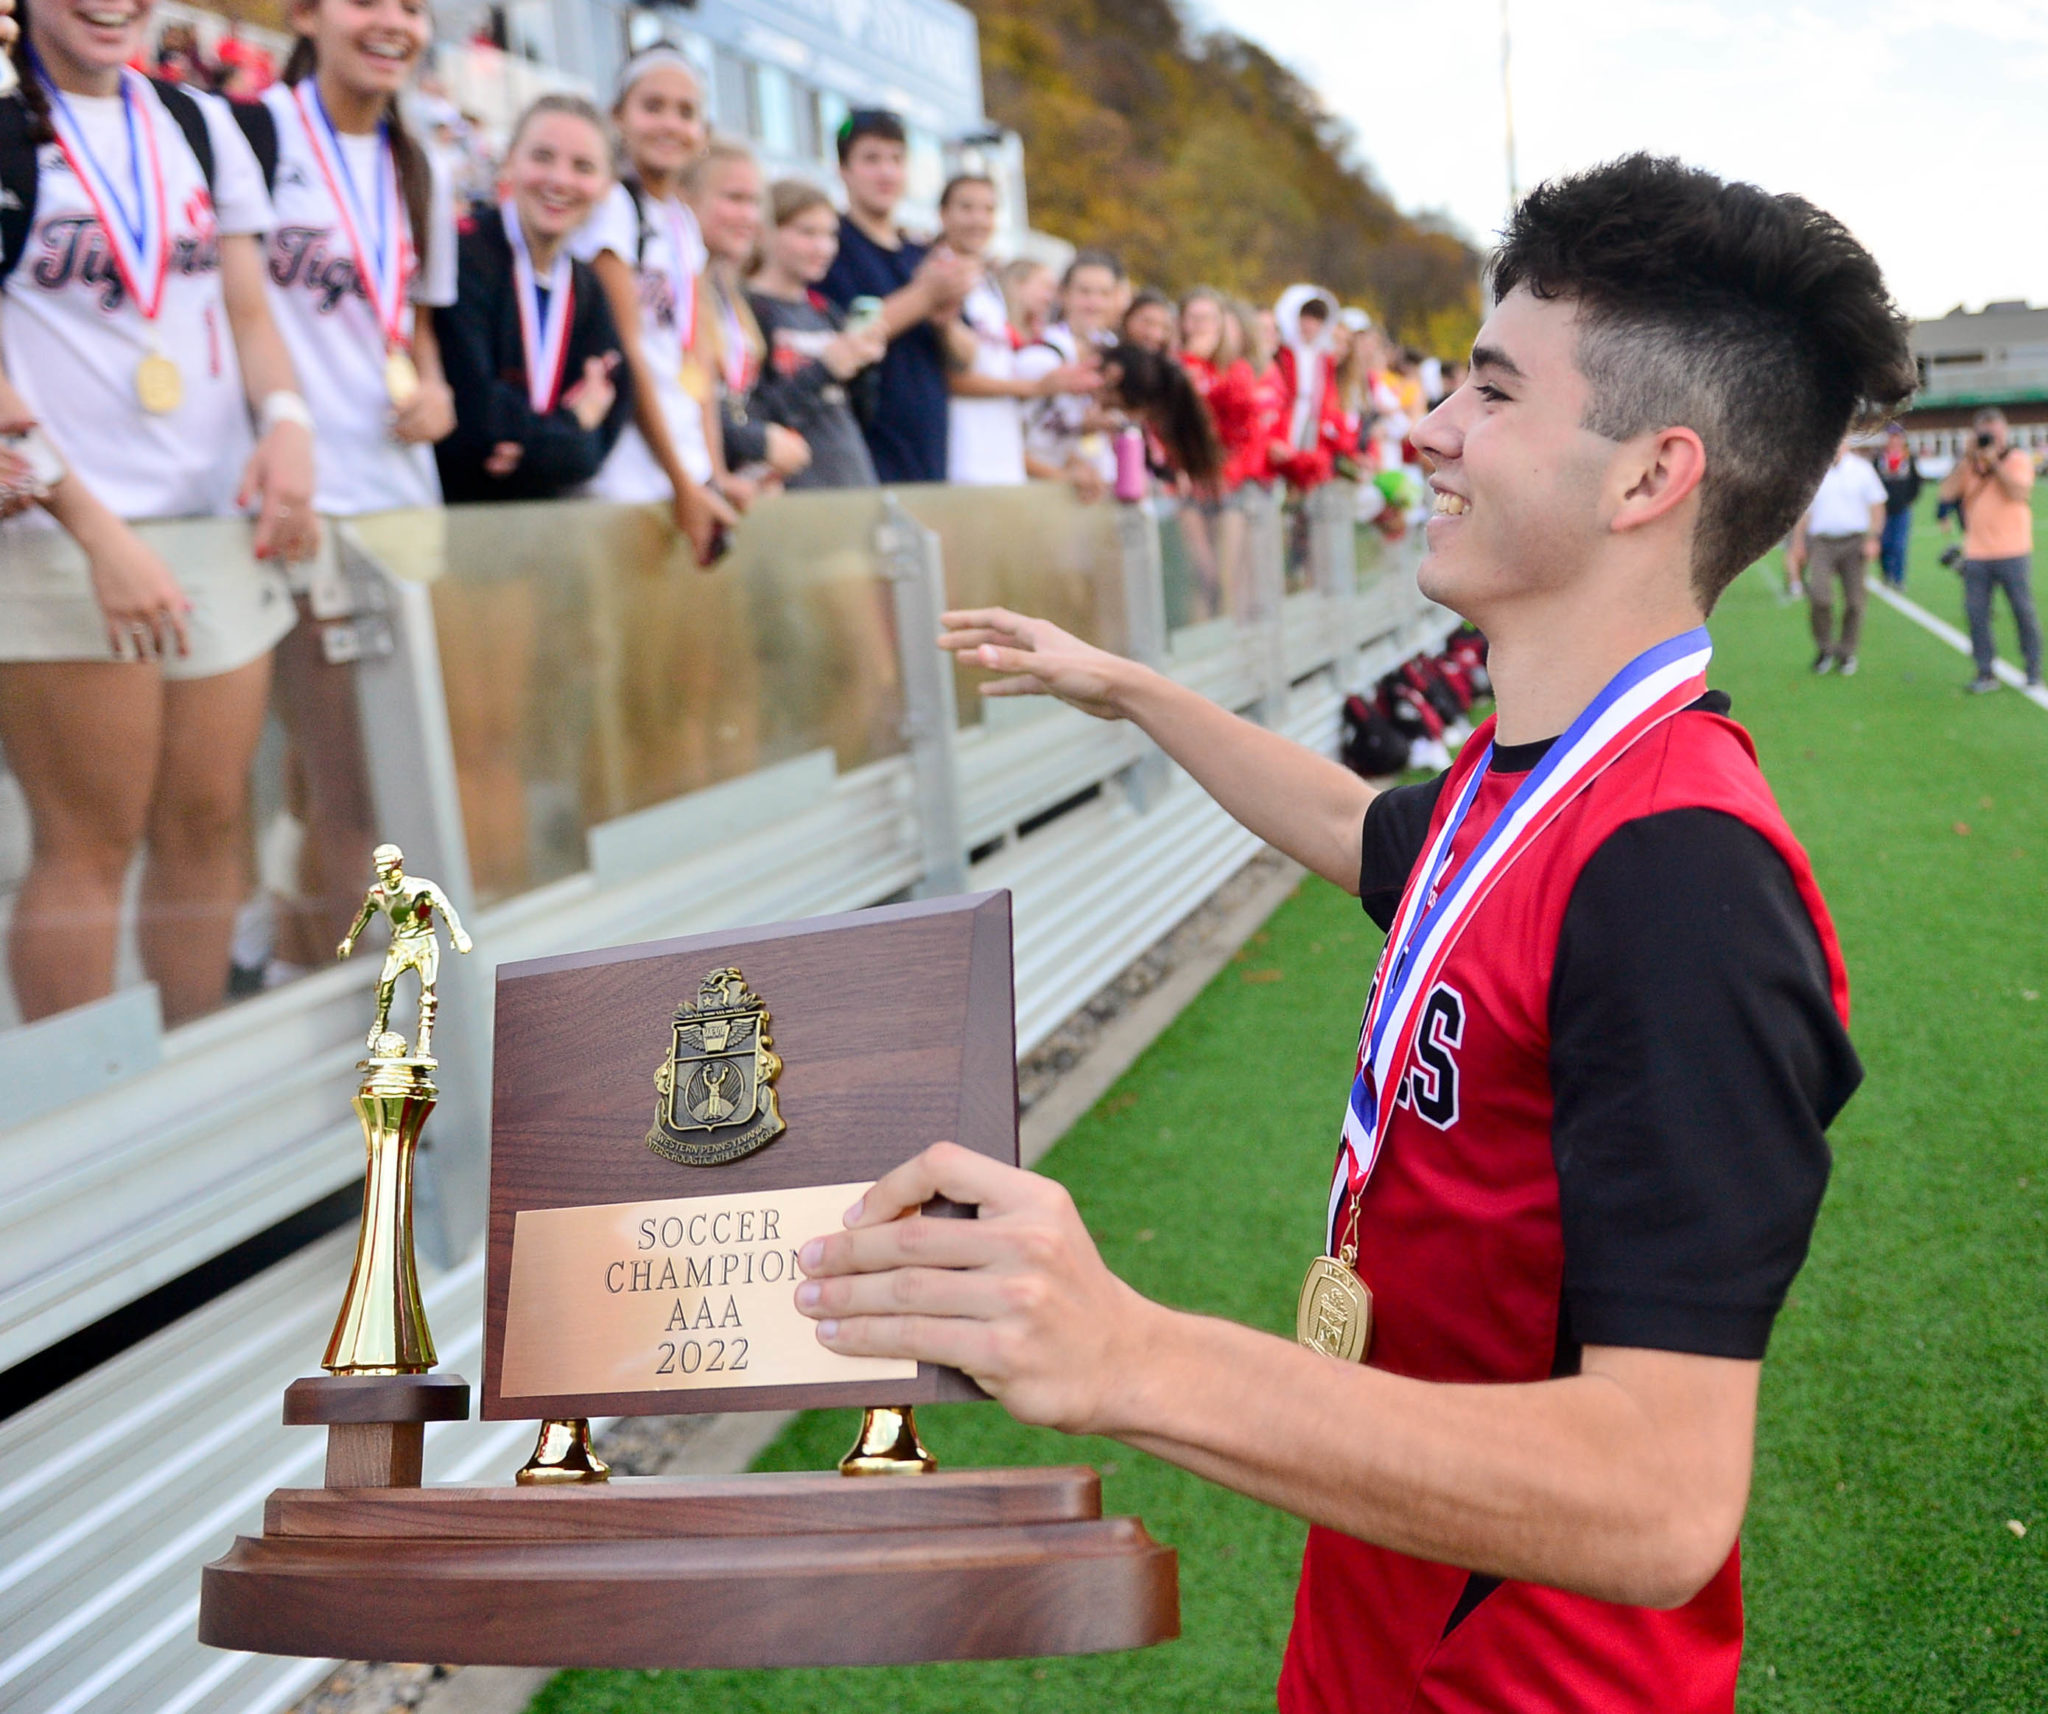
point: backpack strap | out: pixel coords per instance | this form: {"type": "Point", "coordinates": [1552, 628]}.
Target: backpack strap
{"type": "Point", "coordinates": [179, 103]}
{"type": "Point", "coordinates": [643, 229]}
{"type": "Point", "coordinates": [17, 183]}
{"type": "Point", "coordinates": [259, 125]}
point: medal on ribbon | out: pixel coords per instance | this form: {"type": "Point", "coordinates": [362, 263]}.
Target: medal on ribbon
{"type": "Point", "coordinates": [696, 373]}
{"type": "Point", "coordinates": [137, 227]}
{"type": "Point", "coordinates": [543, 328]}
{"type": "Point", "coordinates": [378, 233]}
{"type": "Point", "coordinates": [1334, 1314]}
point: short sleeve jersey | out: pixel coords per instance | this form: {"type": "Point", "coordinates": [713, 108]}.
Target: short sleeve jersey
{"type": "Point", "coordinates": [907, 430]}
{"type": "Point", "coordinates": [985, 437]}
{"type": "Point", "coordinates": [666, 254]}
{"type": "Point", "coordinates": [1841, 505]}
{"type": "Point", "coordinates": [73, 338]}
{"type": "Point", "coordinates": [324, 312]}
{"type": "Point", "coordinates": [1611, 1131]}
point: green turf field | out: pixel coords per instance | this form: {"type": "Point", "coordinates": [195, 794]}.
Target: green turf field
{"type": "Point", "coordinates": [1902, 1430]}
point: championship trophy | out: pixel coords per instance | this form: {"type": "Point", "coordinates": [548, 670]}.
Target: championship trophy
{"type": "Point", "coordinates": [671, 1123]}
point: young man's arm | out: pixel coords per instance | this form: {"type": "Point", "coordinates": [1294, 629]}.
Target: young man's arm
{"type": "Point", "coordinates": [1874, 538]}
{"type": "Point", "coordinates": [1307, 805]}
{"type": "Point", "coordinates": [1626, 1481]}
{"type": "Point", "coordinates": [1952, 484]}
{"type": "Point", "coordinates": [1795, 549]}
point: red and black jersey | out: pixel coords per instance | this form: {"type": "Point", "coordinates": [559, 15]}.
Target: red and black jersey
{"type": "Point", "coordinates": [1611, 1132]}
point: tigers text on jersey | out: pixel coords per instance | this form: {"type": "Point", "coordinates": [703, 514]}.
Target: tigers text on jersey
{"type": "Point", "coordinates": [1491, 1258]}
{"type": "Point", "coordinates": [667, 262]}
{"type": "Point", "coordinates": [73, 338]}
{"type": "Point", "coordinates": [330, 327]}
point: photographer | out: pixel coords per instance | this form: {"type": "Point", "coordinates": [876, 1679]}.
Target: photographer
{"type": "Point", "coordinates": [1993, 482]}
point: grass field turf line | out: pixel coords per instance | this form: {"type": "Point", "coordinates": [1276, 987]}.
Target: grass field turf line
{"type": "Point", "coordinates": [1902, 1423]}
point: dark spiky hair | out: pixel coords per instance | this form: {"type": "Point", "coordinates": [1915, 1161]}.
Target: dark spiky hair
{"type": "Point", "coordinates": [1757, 321]}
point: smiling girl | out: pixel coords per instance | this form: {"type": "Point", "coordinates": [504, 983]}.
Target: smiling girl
{"type": "Point", "coordinates": [138, 334]}
{"type": "Point", "coordinates": [812, 355]}
{"type": "Point", "coordinates": [529, 344]}
{"type": "Point", "coordinates": [648, 255]}
{"type": "Point", "coordinates": [363, 235]}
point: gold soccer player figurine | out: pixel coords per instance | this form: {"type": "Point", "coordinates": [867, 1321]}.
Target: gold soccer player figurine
{"type": "Point", "coordinates": [408, 902]}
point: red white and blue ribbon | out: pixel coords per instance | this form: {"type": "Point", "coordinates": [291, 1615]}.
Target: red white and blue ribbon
{"type": "Point", "coordinates": [685, 247]}
{"type": "Point", "coordinates": [141, 240]}
{"type": "Point", "coordinates": [1435, 909]}
{"type": "Point", "coordinates": [385, 263]}
{"type": "Point", "coordinates": [543, 327]}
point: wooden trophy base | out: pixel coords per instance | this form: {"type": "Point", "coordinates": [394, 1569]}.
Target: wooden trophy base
{"type": "Point", "coordinates": [800, 1569]}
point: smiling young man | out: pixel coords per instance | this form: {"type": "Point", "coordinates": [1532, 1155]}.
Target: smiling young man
{"type": "Point", "coordinates": [1584, 1151]}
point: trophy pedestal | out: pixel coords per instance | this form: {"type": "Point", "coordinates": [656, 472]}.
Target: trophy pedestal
{"type": "Point", "coordinates": [791, 1569]}
{"type": "Point", "coordinates": [376, 1424]}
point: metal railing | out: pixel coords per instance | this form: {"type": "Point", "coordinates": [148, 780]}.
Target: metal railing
{"type": "Point", "coordinates": [589, 742]}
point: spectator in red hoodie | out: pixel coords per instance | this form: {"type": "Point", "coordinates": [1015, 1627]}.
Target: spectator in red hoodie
{"type": "Point", "coordinates": [1312, 428]}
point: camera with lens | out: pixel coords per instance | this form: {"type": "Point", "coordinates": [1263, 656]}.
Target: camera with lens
{"type": "Point", "coordinates": [1952, 556]}
{"type": "Point", "coordinates": [1985, 440]}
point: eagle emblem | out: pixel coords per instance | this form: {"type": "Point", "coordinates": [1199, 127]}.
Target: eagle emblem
{"type": "Point", "coordinates": [715, 1091]}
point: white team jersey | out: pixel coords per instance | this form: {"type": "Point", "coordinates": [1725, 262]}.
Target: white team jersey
{"type": "Point", "coordinates": [72, 338]}
{"type": "Point", "coordinates": [985, 437]}
{"type": "Point", "coordinates": [330, 327]}
{"type": "Point", "coordinates": [671, 289]}
{"type": "Point", "coordinates": [1054, 428]}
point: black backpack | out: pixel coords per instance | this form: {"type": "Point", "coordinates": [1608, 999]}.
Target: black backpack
{"type": "Point", "coordinates": [18, 162]}
{"type": "Point", "coordinates": [1372, 747]}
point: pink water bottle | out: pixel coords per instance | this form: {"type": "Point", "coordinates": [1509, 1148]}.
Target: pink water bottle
{"type": "Point", "coordinates": [1130, 462]}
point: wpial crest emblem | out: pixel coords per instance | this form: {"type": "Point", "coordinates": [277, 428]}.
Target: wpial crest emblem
{"type": "Point", "coordinates": [715, 1094]}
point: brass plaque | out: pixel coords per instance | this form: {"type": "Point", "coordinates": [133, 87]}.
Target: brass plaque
{"type": "Point", "coordinates": [671, 1296]}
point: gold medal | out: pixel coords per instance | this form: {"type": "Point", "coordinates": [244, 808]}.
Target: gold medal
{"type": "Point", "coordinates": [158, 385]}
{"type": "Point", "coordinates": [401, 376]}
{"type": "Point", "coordinates": [1334, 1314]}
{"type": "Point", "coordinates": [696, 379]}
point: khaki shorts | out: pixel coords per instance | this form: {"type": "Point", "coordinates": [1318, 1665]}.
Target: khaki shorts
{"type": "Point", "coordinates": [240, 607]}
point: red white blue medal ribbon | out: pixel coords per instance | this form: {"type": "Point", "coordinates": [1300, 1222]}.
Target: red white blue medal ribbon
{"type": "Point", "coordinates": [543, 328]}
{"type": "Point", "coordinates": [141, 241]}
{"type": "Point", "coordinates": [1435, 909]}
{"type": "Point", "coordinates": [386, 262]}
{"type": "Point", "coordinates": [683, 245]}
{"type": "Point", "coordinates": [737, 357]}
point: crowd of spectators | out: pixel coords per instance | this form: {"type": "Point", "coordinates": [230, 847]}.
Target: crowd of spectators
{"type": "Point", "coordinates": [310, 301]}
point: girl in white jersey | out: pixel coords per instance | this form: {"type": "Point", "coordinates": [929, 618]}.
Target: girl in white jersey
{"type": "Point", "coordinates": [137, 331]}
{"type": "Point", "coordinates": [645, 248]}
{"type": "Point", "coordinates": [364, 239]}
{"type": "Point", "coordinates": [363, 234]}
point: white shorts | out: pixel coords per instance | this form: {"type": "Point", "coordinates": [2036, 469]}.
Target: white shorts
{"type": "Point", "coordinates": [240, 606]}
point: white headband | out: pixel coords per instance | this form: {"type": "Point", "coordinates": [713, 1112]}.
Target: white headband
{"type": "Point", "coordinates": [653, 59]}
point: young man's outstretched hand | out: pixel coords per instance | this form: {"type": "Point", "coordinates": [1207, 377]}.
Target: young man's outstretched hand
{"type": "Point", "coordinates": [1038, 659]}
{"type": "Point", "coordinates": [1019, 1299]}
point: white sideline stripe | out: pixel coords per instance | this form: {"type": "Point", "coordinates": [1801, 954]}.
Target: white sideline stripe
{"type": "Point", "coordinates": [220, 1518]}
{"type": "Point", "coordinates": [1955, 639]}
{"type": "Point", "coordinates": [190, 1453]}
